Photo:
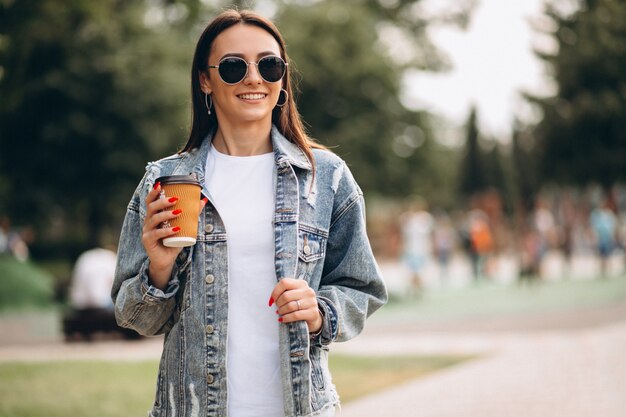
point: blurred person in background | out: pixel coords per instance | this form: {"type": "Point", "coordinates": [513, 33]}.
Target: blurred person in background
{"type": "Point", "coordinates": [603, 224]}
{"type": "Point", "coordinates": [544, 227]}
{"type": "Point", "coordinates": [444, 238]}
{"type": "Point", "coordinates": [15, 242]}
{"type": "Point", "coordinates": [480, 242]}
{"type": "Point", "coordinates": [417, 228]}
{"type": "Point", "coordinates": [92, 280]}
{"type": "Point", "coordinates": [5, 225]}
{"type": "Point", "coordinates": [530, 255]}
{"type": "Point", "coordinates": [282, 266]}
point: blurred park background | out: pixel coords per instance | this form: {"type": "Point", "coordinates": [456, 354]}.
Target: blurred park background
{"type": "Point", "coordinates": [467, 224]}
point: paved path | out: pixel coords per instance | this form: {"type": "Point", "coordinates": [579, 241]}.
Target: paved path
{"type": "Point", "coordinates": [573, 373]}
{"type": "Point", "coordinates": [544, 373]}
{"type": "Point", "coordinates": [565, 365]}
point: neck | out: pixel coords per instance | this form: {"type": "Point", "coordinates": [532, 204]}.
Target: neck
{"type": "Point", "coordinates": [244, 140]}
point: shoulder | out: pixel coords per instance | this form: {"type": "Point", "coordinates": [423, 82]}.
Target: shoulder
{"type": "Point", "coordinates": [154, 169]}
{"type": "Point", "coordinates": [333, 173]}
{"type": "Point", "coordinates": [171, 160]}
{"type": "Point", "coordinates": [325, 157]}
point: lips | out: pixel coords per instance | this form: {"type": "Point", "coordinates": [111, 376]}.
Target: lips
{"type": "Point", "coordinates": [252, 96]}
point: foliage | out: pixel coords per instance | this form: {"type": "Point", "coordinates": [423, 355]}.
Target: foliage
{"type": "Point", "coordinates": [92, 90]}
{"type": "Point", "coordinates": [525, 169]}
{"type": "Point", "coordinates": [473, 176]}
{"type": "Point", "coordinates": [350, 87]}
{"type": "Point", "coordinates": [483, 165]}
{"type": "Point", "coordinates": [24, 285]}
{"type": "Point", "coordinates": [89, 93]}
{"type": "Point", "coordinates": [582, 137]}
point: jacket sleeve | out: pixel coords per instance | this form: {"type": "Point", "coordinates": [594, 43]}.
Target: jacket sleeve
{"type": "Point", "coordinates": [139, 305]}
{"type": "Point", "coordinates": [352, 287]}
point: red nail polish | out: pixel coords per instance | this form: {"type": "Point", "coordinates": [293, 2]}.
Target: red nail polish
{"type": "Point", "coordinates": [177, 212]}
{"type": "Point", "coordinates": [277, 312]}
{"type": "Point", "coordinates": [206, 200]}
{"type": "Point", "coordinates": [271, 301]}
{"type": "Point", "coordinates": [173, 199]}
{"type": "Point", "coordinates": [156, 185]}
{"type": "Point", "coordinates": [176, 229]}
{"type": "Point", "coordinates": [280, 319]}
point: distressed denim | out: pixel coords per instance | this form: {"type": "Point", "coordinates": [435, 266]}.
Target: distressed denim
{"type": "Point", "coordinates": [320, 236]}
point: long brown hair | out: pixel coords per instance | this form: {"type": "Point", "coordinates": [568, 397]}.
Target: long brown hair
{"type": "Point", "coordinates": [287, 119]}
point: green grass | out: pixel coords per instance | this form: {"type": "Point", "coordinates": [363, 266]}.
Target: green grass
{"type": "Point", "coordinates": [123, 389]}
{"type": "Point", "coordinates": [356, 376]}
{"type": "Point", "coordinates": [77, 389]}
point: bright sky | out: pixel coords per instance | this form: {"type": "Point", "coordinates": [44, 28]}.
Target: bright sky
{"type": "Point", "coordinates": [493, 61]}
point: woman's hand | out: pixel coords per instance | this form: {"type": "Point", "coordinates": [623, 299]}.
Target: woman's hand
{"type": "Point", "coordinates": [296, 301]}
{"type": "Point", "coordinates": [162, 258]}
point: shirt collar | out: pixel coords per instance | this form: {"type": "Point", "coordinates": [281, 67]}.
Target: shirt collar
{"type": "Point", "coordinates": [284, 151]}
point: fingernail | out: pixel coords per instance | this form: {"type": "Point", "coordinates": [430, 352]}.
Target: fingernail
{"type": "Point", "coordinates": [280, 319]}
{"type": "Point", "coordinates": [177, 212]}
{"type": "Point", "coordinates": [173, 199]}
{"type": "Point", "coordinates": [206, 200]}
{"type": "Point", "coordinates": [176, 229]}
{"type": "Point", "coordinates": [271, 301]}
{"type": "Point", "coordinates": [156, 185]}
{"type": "Point", "coordinates": [276, 311]}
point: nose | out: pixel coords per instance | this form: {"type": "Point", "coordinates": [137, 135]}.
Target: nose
{"type": "Point", "coordinates": [253, 76]}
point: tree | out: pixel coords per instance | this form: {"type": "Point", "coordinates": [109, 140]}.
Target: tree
{"type": "Point", "coordinates": [525, 167]}
{"type": "Point", "coordinates": [582, 137]}
{"type": "Point", "coordinates": [473, 172]}
{"type": "Point", "coordinates": [350, 91]}
{"type": "Point", "coordinates": [89, 92]}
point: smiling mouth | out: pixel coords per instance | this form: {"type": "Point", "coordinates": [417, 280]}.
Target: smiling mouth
{"type": "Point", "coordinates": [256, 96]}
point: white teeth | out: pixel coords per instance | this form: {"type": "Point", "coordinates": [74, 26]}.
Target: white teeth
{"type": "Point", "coordinates": [252, 96]}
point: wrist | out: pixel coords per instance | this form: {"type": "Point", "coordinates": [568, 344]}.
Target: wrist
{"type": "Point", "coordinates": [159, 276]}
{"type": "Point", "coordinates": [315, 328]}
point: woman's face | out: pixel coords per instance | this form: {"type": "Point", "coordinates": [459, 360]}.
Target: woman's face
{"type": "Point", "coordinates": [253, 98]}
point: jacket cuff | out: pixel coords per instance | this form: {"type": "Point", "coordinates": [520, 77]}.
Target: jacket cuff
{"type": "Point", "coordinates": [328, 332]}
{"type": "Point", "coordinates": [152, 294]}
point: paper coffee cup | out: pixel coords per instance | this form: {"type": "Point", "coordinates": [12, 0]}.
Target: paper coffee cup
{"type": "Point", "coordinates": [187, 189]}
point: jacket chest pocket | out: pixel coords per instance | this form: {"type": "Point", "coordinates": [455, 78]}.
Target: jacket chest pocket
{"type": "Point", "coordinates": [311, 250]}
{"type": "Point", "coordinates": [311, 243]}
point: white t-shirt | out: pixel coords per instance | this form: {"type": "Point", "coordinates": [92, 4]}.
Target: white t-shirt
{"type": "Point", "coordinates": [92, 279]}
{"type": "Point", "coordinates": [242, 189]}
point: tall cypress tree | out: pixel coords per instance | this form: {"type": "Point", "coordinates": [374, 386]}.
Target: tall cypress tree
{"type": "Point", "coordinates": [582, 137]}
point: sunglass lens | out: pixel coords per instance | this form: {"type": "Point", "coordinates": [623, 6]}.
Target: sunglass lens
{"type": "Point", "coordinates": [232, 70]}
{"type": "Point", "coordinates": [271, 68]}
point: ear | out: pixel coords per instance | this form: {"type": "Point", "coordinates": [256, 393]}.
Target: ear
{"type": "Point", "coordinates": [205, 83]}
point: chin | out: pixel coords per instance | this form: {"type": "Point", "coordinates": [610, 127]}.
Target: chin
{"type": "Point", "coordinates": [255, 116]}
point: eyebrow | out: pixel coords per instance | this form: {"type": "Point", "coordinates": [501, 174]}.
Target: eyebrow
{"type": "Point", "coordinates": [239, 55]}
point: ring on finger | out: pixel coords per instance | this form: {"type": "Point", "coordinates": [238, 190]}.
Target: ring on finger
{"type": "Point", "coordinates": [298, 304]}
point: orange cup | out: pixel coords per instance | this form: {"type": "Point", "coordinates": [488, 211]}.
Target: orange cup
{"type": "Point", "coordinates": [187, 189]}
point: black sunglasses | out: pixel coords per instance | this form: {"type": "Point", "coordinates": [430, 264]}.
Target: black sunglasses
{"type": "Point", "coordinates": [233, 69]}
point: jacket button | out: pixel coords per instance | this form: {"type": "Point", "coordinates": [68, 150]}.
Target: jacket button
{"type": "Point", "coordinates": [209, 329]}
{"type": "Point", "coordinates": [210, 379]}
{"type": "Point", "coordinates": [208, 228]}
{"type": "Point", "coordinates": [307, 250]}
{"type": "Point", "coordinates": [210, 279]}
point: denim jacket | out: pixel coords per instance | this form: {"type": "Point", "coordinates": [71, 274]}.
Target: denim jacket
{"type": "Point", "coordinates": [319, 230]}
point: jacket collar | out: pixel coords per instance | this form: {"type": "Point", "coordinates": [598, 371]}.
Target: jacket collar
{"type": "Point", "coordinates": [284, 151]}
{"type": "Point", "coordinates": [287, 151]}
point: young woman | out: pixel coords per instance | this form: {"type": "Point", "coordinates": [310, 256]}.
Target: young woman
{"type": "Point", "coordinates": [282, 266]}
